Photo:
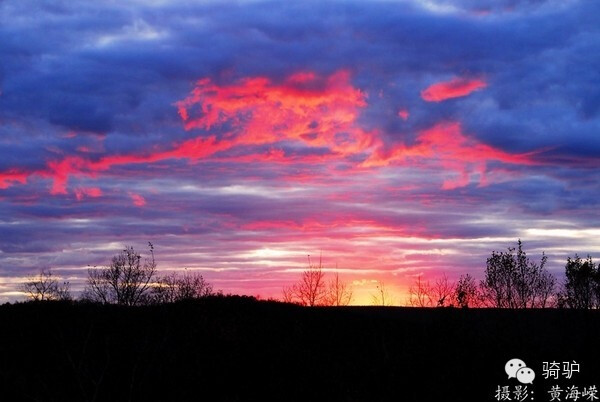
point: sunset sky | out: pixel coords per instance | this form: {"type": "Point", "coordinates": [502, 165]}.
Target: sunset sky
{"type": "Point", "coordinates": [397, 138]}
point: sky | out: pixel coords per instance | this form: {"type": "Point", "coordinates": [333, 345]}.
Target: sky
{"type": "Point", "coordinates": [392, 138]}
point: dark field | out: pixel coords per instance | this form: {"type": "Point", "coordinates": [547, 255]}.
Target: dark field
{"type": "Point", "coordinates": [239, 349]}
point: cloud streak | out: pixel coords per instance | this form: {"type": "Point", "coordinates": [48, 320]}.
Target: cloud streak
{"type": "Point", "coordinates": [455, 88]}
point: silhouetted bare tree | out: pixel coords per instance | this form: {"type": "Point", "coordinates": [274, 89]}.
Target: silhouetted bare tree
{"type": "Point", "coordinates": [45, 286]}
{"type": "Point", "coordinates": [545, 290]}
{"type": "Point", "coordinates": [172, 288]}
{"type": "Point", "coordinates": [382, 297]}
{"type": "Point", "coordinates": [126, 281]}
{"type": "Point", "coordinates": [512, 280]}
{"type": "Point", "coordinates": [288, 294]}
{"type": "Point", "coordinates": [338, 292]}
{"type": "Point", "coordinates": [419, 294]}
{"type": "Point", "coordinates": [466, 293]}
{"type": "Point", "coordinates": [581, 288]}
{"type": "Point", "coordinates": [311, 290]}
{"type": "Point", "coordinates": [442, 292]}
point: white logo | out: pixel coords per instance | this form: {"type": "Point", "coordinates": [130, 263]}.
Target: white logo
{"type": "Point", "coordinates": [525, 375]}
{"type": "Point", "coordinates": [516, 368]}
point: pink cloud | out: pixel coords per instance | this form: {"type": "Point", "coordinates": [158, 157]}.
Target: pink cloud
{"type": "Point", "coordinates": [447, 146]}
{"type": "Point", "coordinates": [12, 176]}
{"type": "Point", "coordinates": [305, 108]}
{"type": "Point", "coordinates": [137, 199]}
{"type": "Point", "coordinates": [60, 171]}
{"type": "Point", "coordinates": [83, 192]}
{"type": "Point", "coordinates": [455, 88]}
{"type": "Point", "coordinates": [403, 114]}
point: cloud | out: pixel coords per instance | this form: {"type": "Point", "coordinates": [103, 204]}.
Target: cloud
{"type": "Point", "coordinates": [12, 176]}
{"type": "Point", "coordinates": [137, 199]}
{"type": "Point", "coordinates": [305, 107]}
{"type": "Point", "coordinates": [446, 146]}
{"type": "Point", "coordinates": [403, 114]}
{"type": "Point", "coordinates": [314, 111]}
{"type": "Point", "coordinates": [455, 88]}
{"type": "Point", "coordinates": [83, 192]}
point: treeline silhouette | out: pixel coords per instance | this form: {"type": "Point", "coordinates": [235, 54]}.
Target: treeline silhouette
{"type": "Point", "coordinates": [127, 280]}
{"type": "Point", "coordinates": [137, 336]}
{"type": "Point", "coordinates": [511, 280]}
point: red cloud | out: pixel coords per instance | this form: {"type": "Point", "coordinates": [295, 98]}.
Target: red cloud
{"type": "Point", "coordinates": [305, 108]}
{"type": "Point", "coordinates": [60, 171]}
{"type": "Point", "coordinates": [310, 110]}
{"type": "Point", "coordinates": [445, 144]}
{"type": "Point", "coordinates": [454, 88]}
{"type": "Point", "coordinates": [12, 176]}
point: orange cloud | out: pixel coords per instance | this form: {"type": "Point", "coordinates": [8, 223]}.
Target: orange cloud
{"type": "Point", "coordinates": [455, 88]}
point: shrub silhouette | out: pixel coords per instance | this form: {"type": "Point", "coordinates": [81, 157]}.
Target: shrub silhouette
{"type": "Point", "coordinates": [466, 293]}
{"type": "Point", "coordinates": [512, 280]}
{"type": "Point", "coordinates": [125, 281]}
{"type": "Point", "coordinates": [45, 286]}
{"type": "Point", "coordinates": [581, 288]}
{"type": "Point", "coordinates": [173, 288]}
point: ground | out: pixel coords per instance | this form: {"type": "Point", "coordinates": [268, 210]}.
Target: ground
{"type": "Point", "coordinates": [240, 349]}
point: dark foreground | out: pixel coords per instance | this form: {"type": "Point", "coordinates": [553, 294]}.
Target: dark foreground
{"type": "Point", "coordinates": [238, 349]}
